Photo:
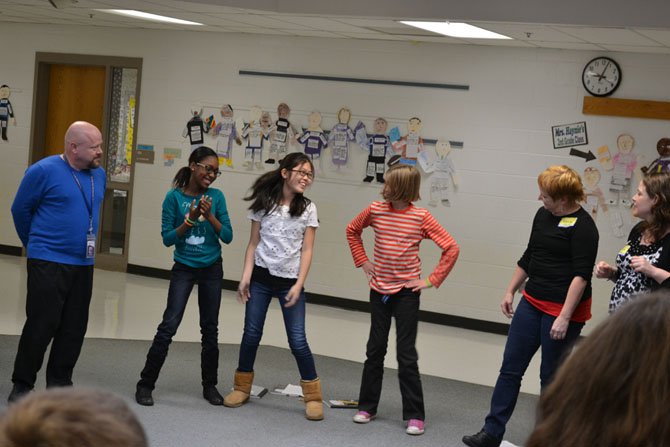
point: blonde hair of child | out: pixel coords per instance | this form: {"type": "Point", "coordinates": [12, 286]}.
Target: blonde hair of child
{"type": "Point", "coordinates": [402, 184]}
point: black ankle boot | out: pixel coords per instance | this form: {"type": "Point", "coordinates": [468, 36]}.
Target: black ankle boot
{"type": "Point", "coordinates": [211, 395]}
{"type": "Point", "coordinates": [18, 391]}
{"type": "Point", "coordinates": [481, 439]}
{"type": "Point", "coordinates": [143, 396]}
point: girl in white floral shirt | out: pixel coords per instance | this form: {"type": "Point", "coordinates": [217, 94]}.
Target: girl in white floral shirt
{"type": "Point", "coordinates": [277, 260]}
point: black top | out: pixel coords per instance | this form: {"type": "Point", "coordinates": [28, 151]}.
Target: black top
{"type": "Point", "coordinates": [560, 248]}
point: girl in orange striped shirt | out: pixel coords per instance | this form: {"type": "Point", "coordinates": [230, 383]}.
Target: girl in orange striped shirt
{"type": "Point", "coordinates": [395, 287]}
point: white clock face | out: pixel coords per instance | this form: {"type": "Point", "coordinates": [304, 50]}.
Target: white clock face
{"type": "Point", "coordinates": [601, 76]}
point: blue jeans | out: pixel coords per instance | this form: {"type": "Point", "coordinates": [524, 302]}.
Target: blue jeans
{"type": "Point", "coordinates": [209, 301]}
{"type": "Point", "coordinates": [529, 331]}
{"type": "Point", "coordinates": [294, 322]}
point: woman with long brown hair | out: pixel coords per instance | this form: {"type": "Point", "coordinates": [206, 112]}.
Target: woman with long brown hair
{"type": "Point", "coordinates": [643, 264]}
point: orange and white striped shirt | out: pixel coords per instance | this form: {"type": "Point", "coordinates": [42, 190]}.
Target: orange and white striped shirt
{"type": "Point", "coordinates": [398, 234]}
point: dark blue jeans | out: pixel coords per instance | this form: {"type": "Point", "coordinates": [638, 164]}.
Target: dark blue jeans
{"type": "Point", "coordinates": [209, 301]}
{"type": "Point", "coordinates": [529, 331]}
{"type": "Point", "coordinates": [404, 307]}
{"type": "Point", "coordinates": [294, 321]}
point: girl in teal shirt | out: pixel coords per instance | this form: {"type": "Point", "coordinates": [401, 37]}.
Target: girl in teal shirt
{"type": "Point", "coordinates": [194, 220]}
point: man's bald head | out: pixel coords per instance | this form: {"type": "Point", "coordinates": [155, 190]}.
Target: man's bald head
{"type": "Point", "coordinates": [83, 145]}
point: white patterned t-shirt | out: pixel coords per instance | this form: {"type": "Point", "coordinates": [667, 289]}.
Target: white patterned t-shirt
{"type": "Point", "coordinates": [281, 239]}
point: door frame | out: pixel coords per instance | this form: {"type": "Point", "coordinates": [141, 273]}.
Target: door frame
{"type": "Point", "coordinates": [43, 62]}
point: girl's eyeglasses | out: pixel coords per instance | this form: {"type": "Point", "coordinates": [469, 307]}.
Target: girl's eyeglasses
{"type": "Point", "coordinates": [309, 175]}
{"type": "Point", "coordinates": [209, 169]}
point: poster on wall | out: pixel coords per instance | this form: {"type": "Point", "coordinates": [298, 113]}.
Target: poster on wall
{"type": "Point", "coordinates": [6, 110]}
{"type": "Point", "coordinates": [169, 154]}
{"type": "Point", "coordinates": [144, 154]}
{"type": "Point", "coordinates": [566, 135]}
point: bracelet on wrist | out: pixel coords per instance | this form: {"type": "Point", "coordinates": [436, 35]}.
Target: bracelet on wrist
{"type": "Point", "coordinates": [428, 283]}
{"type": "Point", "coordinates": [188, 222]}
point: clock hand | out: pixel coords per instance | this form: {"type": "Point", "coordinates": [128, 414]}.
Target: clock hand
{"type": "Point", "coordinates": [593, 74]}
{"type": "Point", "coordinates": [602, 75]}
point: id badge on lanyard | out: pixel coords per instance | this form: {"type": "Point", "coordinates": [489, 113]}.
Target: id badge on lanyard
{"type": "Point", "coordinates": [90, 245]}
{"type": "Point", "coordinates": [90, 236]}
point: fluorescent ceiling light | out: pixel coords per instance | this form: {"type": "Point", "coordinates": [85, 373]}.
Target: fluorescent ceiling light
{"type": "Point", "coordinates": [456, 29]}
{"type": "Point", "coordinates": [148, 16]}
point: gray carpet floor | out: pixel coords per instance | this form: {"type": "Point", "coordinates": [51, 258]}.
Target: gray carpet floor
{"type": "Point", "coordinates": [181, 417]}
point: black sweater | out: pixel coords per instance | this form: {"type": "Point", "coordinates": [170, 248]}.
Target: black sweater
{"type": "Point", "coordinates": [559, 249]}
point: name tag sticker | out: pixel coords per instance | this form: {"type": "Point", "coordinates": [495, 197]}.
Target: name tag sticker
{"type": "Point", "coordinates": [567, 222]}
{"type": "Point", "coordinates": [624, 250]}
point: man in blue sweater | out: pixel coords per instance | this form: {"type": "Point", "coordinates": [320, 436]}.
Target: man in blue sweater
{"type": "Point", "coordinates": [55, 213]}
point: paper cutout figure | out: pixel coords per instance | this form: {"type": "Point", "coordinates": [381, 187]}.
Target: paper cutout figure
{"type": "Point", "coordinates": [442, 172]}
{"type": "Point", "coordinates": [282, 135]}
{"type": "Point", "coordinates": [210, 123]}
{"type": "Point", "coordinates": [378, 146]}
{"type": "Point", "coordinates": [340, 136]}
{"type": "Point", "coordinates": [410, 145]}
{"type": "Point", "coordinates": [595, 198]}
{"type": "Point", "coordinates": [624, 165]}
{"type": "Point", "coordinates": [604, 158]}
{"type": "Point", "coordinates": [6, 110]}
{"type": "Point", "coordinates": [225, 133]}
{"type": "Point", "coordinates": [616, 223]}
{"type": "Point", "coordinates": [313, 139]}
{"type": "Point", "coordinates": [361, 135]}
{"type": "Point", "coordinates": [195, 128]}
{"type": "Point", "coordinates": [266, 122]}
{"type": "Point", "coordinates": [254, 135]}
{"type": "Point", "coordinates": [394, 134]}
{"type": "Point", "coordinates": [662, 163]}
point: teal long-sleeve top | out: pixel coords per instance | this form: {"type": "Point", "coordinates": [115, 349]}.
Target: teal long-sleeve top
{"type": "Point", "coordinates": [199, 246]}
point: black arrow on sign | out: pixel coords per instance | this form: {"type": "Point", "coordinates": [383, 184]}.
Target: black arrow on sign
{"type": "Point", "coordinates": [587, 156]}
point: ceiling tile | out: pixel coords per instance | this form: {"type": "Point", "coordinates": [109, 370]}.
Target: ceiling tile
{"type": "Point", "coordinates": [637, 49]}
{"type": "Point", "coordinates": [311, 33]}
{"type": "Point", "coordinates": [376, 36]}
{"type": "Point", "coordinates": [229, 19]}
{"type": "Point", "coordinates": [610, 36]}
{"type": "Point", "coordinates": [133, 4]}
{"type": "Point", "coordinates": [256, 30]}
{"type": "Point", "coordinates": [433, 38]}
{"type": "Point", "coordinates": [373, 23]}
{"type": "Point", "coordinates": [258, 20]}
{"type": "Point", "coordinates": [500, 42]}
{"type": "Point", "coordinates": [527, 32]}
{"type": "Point", "coordinates": [187, 6]}
{"type": "Point", "coordinates": [321, 23]}
{"type": "Point", "coordinates": [661, 36]}
{"type": "Point", "coordinates": [570, 46]}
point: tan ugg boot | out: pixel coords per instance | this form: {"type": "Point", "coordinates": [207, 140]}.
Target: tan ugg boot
{"type": "Point", "coordinates": [241, 390]}
{"type": "Point", "coordinates": [311, 390]}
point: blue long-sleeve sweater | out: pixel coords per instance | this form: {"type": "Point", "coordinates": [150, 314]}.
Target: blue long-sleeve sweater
{"type": "Point", "coordinates": [50, 214]}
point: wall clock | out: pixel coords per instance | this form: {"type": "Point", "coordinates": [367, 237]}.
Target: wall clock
{"type": "Point", "coordinates": [601, 76]}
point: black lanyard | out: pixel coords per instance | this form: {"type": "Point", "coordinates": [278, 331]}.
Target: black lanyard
{"type": "Point", "coordinates": [83, 195]}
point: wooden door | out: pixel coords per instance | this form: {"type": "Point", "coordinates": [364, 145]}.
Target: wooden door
{"type": "Point", "coordinates": [76, 93]}
{"type": "Point", "coordinates": [73, 87]}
